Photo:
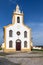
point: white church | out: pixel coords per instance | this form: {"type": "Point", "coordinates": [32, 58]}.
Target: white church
{"type": "Point", "coordinates": [17, 36]}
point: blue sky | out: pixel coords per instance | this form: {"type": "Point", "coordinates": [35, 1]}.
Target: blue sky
{"type": "Point", "coordinates": [33, 17]}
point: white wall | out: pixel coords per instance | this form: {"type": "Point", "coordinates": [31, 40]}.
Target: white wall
{"type": "Point", "coordinates": [17, 27]}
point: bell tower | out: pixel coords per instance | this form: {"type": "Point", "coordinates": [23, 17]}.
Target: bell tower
{"type": "Point", "coordinates": [17, 16]}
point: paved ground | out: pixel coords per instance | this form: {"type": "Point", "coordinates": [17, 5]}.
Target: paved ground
{"type": "Point", "coordinates": [25, 55]}
{"type": "Point", "coordinates": [21, 61]}
{"type": "Point", "coordinates": [27, 61]}
{"type": "Point", "coordinates": [1, 50]}
{"type": "Point", "coordinates": [4, 61]}
{"type": "Point", "coordinates": [33, 58]}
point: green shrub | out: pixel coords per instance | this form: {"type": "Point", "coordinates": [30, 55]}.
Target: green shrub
{"type": "Point", "coordinates": [36, 50]}
{"type": "Point", "coordinates": [0, 48]}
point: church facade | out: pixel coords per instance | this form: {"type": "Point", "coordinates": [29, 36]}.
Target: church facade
{"type": "Point", "coordinates": [17, 36]}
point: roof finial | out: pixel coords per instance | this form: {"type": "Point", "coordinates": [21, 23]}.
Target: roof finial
{"type": "Point", "coordinates": [17, 8]}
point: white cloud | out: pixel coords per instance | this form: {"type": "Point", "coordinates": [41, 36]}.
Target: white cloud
{"type": "Point", "coordinates": [37, 32]}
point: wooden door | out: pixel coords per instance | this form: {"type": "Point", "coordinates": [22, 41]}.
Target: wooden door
{"type": "Point", "coordinates": [18, 46]}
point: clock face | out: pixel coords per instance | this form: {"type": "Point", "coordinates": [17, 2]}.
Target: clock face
{"type": "Point", "coordinates": [18, 33]}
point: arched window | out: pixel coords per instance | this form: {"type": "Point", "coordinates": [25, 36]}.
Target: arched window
{"type": "Point", "coordinates": [10, 33]}
{"type": "Point", "coordinates": [25, 43]}
{"type": "Point", "coordinates": [18, 19]}
{"type": "Point", "coordinates": [10, 43]}
{"type": "Point", "coordinates": [25, 34]}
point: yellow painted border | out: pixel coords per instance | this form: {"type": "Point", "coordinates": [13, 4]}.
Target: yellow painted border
{"type": "Point", "coordinates": [14, 50]}
{"type": "Point", "coordinates": [9, 50]}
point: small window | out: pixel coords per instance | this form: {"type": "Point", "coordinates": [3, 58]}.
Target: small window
{"type": "Point", "coordinates": [10, 43]}
{"type": "Point", "coordinates": [10, 33]}
{"type": "Point", "coordinates": [25, 34]}
{"type": "Point", "coordinates": [18, 33]}
{"type": "Point", "coordinates": [18, 19]}
{"type": "Point", "coordinates": [25, 43]}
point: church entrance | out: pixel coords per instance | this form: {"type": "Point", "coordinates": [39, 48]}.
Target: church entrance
{"type": "Point", "coordinates": [18, 45]}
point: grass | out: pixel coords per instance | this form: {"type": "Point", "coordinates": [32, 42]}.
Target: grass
{"type": "Point", "coordinates": [37, 50]}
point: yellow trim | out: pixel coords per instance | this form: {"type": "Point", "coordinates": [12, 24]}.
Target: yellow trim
{"type": "Point", "coordinates": [13, 19]}
{"type": "Point", "coordinates": [9, 50]}
{"type": "Point", "coordinates": [14, 50]}
{"type": "Point", "coordinates": [24, 50]}
{"type": "Point", "coordinates": [18, 14]}
{"type": "Point", "coordinates": [8, 25]}
{"type": "Point", "coordinates": [30, 38]}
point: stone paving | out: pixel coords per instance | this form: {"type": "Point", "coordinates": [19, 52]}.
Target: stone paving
{"type": "Point", "coordinates": [27, 61]}
{"type": "Point", "coordinates": [4, 61]}
{"type": "Point", "coordinates": [26, 58]}
{"type": "Point", "coordinates": [25, 55]}
{"type": "Point", "coordinates": [33, 58]}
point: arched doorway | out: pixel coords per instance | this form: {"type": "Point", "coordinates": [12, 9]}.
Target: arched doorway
{"type": "Point", "coordinates": [18, 45]}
